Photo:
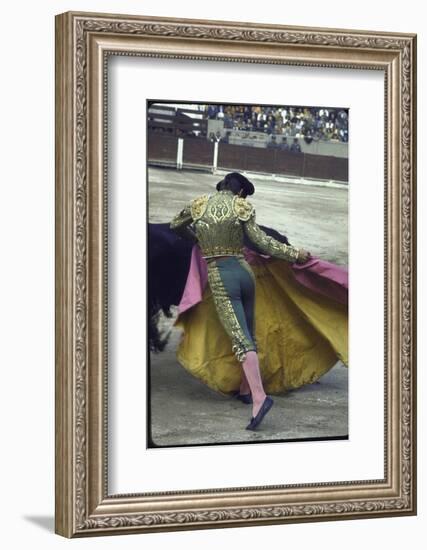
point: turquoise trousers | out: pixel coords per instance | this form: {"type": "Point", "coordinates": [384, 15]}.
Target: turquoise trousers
{"type": "Point", "coordinates": [232, 283]}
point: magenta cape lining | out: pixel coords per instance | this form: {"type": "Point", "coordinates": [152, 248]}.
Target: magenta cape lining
{"type": "Point", "coordinates": [318, 275]}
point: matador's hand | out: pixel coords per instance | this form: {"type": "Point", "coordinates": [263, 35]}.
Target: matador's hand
{"type": "Point", "coordinates": [303, 256]}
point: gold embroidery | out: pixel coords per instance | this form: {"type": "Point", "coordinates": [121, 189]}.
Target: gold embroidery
{"type": "Point", "coordinates": [219, 212]}
{"type": "Point", "coordinates": [242, 208]}
{"type": "Point", "coordinates": [240, 344]}
{"type": "Point", "coordinates": [198, 206]}
{"type": "Point", "coordinates": [220, 221]}
{"type": "Point", "coordinates": [218, 230]}
{"type": "Point", "coordinates": [181, 224]}
{"type": "Point", "coordinates": [182, 218]}
{"type": "Point", "coordinates": [268, 244]}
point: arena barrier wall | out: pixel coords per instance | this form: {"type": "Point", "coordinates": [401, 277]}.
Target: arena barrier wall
{"type": "Point", "coordinates": [198, 153]}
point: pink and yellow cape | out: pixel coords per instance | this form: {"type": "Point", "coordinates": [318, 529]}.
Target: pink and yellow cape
{"type": "Point", "coordinates": [301, 324]}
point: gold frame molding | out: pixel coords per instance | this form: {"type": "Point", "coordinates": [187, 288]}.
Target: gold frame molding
{"type": "Point", "coordinates": [83, 43]}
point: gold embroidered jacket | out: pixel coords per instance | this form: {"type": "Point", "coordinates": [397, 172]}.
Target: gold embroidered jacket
{"type": "Point", "coordinates": [219, 222]}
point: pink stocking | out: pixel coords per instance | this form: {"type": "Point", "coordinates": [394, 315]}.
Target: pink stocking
{"type": "Point", "coordinates": [251, 369]}
{"type": "Point", "coordinates": [244, 386]}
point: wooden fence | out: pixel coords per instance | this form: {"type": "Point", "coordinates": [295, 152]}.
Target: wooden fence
{"type": "Point", "coordinates": [200, 153]}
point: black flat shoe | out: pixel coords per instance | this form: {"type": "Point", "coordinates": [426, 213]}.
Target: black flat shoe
{"type": "Point", "coordinates": [243, 397]}
{"type": "Point", "coordinates": [256, 420]}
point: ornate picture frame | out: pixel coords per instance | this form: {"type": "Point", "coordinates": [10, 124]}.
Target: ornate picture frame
{"type": "Point", "coordinates": [84, 42]}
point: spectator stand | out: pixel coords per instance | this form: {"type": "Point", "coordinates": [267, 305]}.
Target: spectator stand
{"type": "Point", "coordinates": [247, 138]}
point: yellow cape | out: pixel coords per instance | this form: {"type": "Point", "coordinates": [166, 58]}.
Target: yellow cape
{"type": "Point", "coordinates": [300, 334]}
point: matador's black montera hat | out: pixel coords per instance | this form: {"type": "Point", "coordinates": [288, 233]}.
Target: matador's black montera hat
{"type": "Point", "coordinates": [238, 180]}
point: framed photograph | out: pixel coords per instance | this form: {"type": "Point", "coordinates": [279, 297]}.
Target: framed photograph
{"type": "Point", "coordinates": [297, 161]}
{"type": "Point", "coordinates": [235, 274]}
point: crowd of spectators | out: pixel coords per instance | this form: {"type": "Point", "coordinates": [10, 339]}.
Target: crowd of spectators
{"type": "Point", "coordinates": [308, 123]}
{"type": "Point", "coordinates": [283, 143]}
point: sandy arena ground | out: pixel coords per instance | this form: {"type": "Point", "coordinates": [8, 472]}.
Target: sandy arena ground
{"type": "Point", "coordinates": [186, 412]}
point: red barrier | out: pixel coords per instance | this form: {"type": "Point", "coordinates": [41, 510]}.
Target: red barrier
{"type": "Point", "coordinates": [200, 152]}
